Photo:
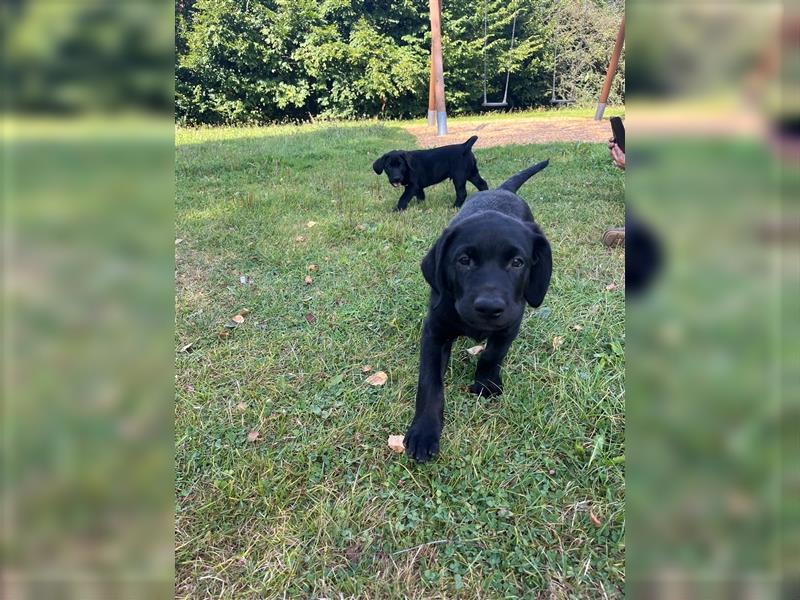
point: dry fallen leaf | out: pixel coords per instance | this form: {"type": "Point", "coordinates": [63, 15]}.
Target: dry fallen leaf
{"type": "Point", "coordinates": [395, 442]}
{"type": "Point", "coordinates": [311, 224]}
{"type": "Point", "coordinates": [312, 268]}
{"type": "Point", "coordinates": [595, 521]}
{"type": "Point", "coordinates": [178, 241]}
{"type": "Point", "coordinates": [378, 378]}
{"type": "Point", "coordinates": [300, 238]}
{"type": "Point", "coordinates": [311, 318]}
{"type": "Point", "coordinates": [366, 368]}
{"type": "Point", "coordinates": [253, 436]}
{"type": "Point", "coordinates": [611, 287]}
{"type": "Point", "coordinates": [244, 312]}
{"type": "Point", "coordinates": [308, 280]}
{"type": "Point", "coordinates": [558, 341]}
{"type": "Point", "coordinates": [475, 350]}
{"type": "Point", "coordinates": [576, 327]}
{"type": "Point", "coordinates": [360, 227]}
{"type": "Point", "coordinates": [241, 407]}
{"type": "Point", "coordinates": [187, 347]}
{"type": "Point", "coordinates": [223, 334]}
{"type": "Point", "coordinates": [237, 319]}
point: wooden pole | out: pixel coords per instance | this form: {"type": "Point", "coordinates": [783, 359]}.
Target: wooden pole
{"type": "Point", "coordinates": [432, 84]}
{"type": "Point", "coordinates": [432, 96]}
{"type": "Point", "coordinates": [438, 66]}
{"type": "Point", "coordinates": [612, 69]}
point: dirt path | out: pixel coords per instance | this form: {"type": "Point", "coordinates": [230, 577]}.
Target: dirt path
{"type": "Point", "coordinates": [528, 131]}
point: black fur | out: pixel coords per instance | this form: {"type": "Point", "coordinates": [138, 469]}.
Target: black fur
{"type": "Point", "coordinates": [418, 169]}
{"type": "Point", "coordinates": [644, 256]}
{"type": "Point", "coordinates": [490, 260]}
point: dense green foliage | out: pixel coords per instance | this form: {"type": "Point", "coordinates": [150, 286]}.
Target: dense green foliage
{"type": "Point", "coordinates": [245, 61]}
{"type": "Point", "coordinates": [78, 57]}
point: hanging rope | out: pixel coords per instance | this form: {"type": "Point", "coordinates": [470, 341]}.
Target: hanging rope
{"type": "Point", "coordinates": [504, 102]}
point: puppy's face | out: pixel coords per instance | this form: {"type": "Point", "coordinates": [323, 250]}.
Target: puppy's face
{"type": "Point", "coordinates": [490, 265]}
{"type": "Point", "coordinates": [395, 163]}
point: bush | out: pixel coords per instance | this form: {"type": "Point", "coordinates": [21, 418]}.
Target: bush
{"type": "Point", "coordinates": [254, 61]}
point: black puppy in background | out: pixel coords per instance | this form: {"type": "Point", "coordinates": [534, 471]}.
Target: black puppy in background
{"type": "Point", "coordinates": [490, 260]}
{"type": "Point", "coordinates": [418, 169]}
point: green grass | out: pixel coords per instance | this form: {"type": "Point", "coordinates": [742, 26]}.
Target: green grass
{"type": "Point", "coordinates": [318, 506]}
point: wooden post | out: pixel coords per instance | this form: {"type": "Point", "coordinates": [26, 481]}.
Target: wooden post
{"type": "Point", "coordinates": [612, 69]}
{"type": "Point", "coordinates": [438, 67]}
{"type": "Point", "coordinates": [432, 96]}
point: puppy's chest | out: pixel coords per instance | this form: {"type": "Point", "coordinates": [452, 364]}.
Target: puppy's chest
{"type": "Point", "coordinates": [462, 329]}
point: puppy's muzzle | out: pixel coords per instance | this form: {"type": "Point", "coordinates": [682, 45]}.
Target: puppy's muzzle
{"type": "Point", "coordinates": [489, 307]}
{"type": "Point", "coordinates": [395, 182]}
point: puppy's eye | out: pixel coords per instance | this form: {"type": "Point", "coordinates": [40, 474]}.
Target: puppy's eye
{"type": "Point", "coordinates": [517, 262]}
{"type": "Point", "coordinates": [464, 260]}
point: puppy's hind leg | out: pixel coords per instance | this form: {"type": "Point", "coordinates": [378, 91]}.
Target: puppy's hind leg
{"type": "Point", "coordinates": [478, 181]}
{"type": "Point", "coordinates": [461, 192]}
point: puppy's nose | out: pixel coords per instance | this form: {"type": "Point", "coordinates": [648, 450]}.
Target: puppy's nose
{"type": "Point", "coordinates": [489, 307]}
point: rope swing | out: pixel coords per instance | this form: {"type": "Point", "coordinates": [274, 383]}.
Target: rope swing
{"type": "Point", "coordinates": [504, 102]}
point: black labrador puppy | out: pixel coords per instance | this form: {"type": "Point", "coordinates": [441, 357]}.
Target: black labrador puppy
{"type": "Point", "coordinates": [490, 260]}
{"type": "Point", "coordinates": [419, 169]}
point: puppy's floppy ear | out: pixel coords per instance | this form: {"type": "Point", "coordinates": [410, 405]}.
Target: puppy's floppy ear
{"type": "Point", "coordinates": [541, 269]}
{"type": "Point", "coordinates": [377, 166]}
{"type": "Point", "coordinates": [429, 265]}
{"type": "Point", "coordinates": [408, 160]}
{"type": "Point", "coordinates": [433, 269]}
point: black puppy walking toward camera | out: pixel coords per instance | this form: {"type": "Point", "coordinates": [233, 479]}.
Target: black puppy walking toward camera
{"type": "Point", "coordinates": [418, 169]}
{"type": "Point", "coordinates": [490, 260]}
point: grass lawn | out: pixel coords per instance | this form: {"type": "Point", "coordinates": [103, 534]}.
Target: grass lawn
{"type": "Point", "coordinates": [317, 505]}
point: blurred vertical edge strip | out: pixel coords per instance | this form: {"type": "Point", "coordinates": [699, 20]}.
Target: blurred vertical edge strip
{"type": "Point", "coordinates": [88, 245]}
{"type": "Point", "coordinates": [712, 388]}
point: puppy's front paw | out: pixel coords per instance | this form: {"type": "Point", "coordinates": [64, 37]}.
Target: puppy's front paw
{"type": "Point", "coordinates": [422, 439]}
{"type": "Point", "coordinates": [487, 388]}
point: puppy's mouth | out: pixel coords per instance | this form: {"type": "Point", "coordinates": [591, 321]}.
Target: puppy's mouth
{"type": "Point", "coordinates": [488, 323]}
{"type": "Point", "coordinates": [484, 323]}
{"type": "Point", "coordinates": [395, 183]}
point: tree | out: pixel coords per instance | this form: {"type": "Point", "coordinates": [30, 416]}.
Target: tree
{"type": "Point", "coordinates": [253, 61]}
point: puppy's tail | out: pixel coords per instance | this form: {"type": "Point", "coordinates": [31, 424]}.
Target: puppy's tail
{"type": "Point", "coordinates": [468, 144]}
{"type": "Point", "coordinates": [515, 182]}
